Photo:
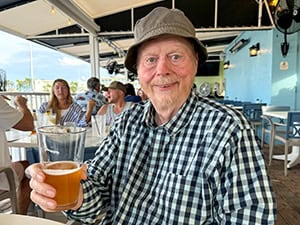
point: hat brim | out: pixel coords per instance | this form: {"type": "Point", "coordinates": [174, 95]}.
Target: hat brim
{"type": "Point", "coordinates": [131, 56]}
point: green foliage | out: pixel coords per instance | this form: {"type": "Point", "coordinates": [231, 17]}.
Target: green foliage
{"type": "Point", "coordinates": [24, 85]}
{"type": "Point", "coordinates": [73, 86]}
{"type": "Point", "coordinates": [47, 87]}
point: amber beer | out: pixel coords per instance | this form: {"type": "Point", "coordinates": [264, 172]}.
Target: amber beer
{"type": "Point", "coordinates": [64, 176]}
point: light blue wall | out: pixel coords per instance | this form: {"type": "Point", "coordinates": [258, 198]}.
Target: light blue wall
{"type": "Point", "coordinates": [260, 77]}
{"type": "Point", "coordinates": [285, 82]}
{"type": "Point", "coordinates": [249, 78]}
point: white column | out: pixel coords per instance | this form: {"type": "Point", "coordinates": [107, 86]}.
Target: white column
{"type": "Point", "coordinates": [94, 55]}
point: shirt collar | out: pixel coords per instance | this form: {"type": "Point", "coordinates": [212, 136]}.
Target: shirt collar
{"type": "Point", "coordinates": [180, 120]}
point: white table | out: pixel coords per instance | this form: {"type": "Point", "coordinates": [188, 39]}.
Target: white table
{"type": "Point", "coordinates": [294, 156]}
{"type": "Point", "coordinates": [15, 219]}
{"type": "Point", "coordinates": [19, 141]}
{"type": "Point", "coordinates": [25, 139]}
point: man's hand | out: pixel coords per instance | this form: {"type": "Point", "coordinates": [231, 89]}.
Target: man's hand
{"type": "Point", "coordinates": [43, 193]}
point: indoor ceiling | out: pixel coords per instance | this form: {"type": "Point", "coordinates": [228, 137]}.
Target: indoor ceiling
{"type": "Point", "coordinates": [66, 25]}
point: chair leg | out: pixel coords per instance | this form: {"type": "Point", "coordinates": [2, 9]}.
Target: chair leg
{"type": "Point", "coordinates": [271, 147]}
{"type": "Point", "coordinates": [285, 158]}
{"type": "Point", "coordinates": [262, 137]}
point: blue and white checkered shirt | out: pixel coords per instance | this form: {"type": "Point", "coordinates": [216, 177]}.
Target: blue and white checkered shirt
{"type": "Point", "coordinates": [204, 166]}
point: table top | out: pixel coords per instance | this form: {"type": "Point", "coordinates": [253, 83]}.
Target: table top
{"type": "Point", "coordinates": [25, 139]}
{"type": "Point", "coordinates": [15, 219]}
{"type": "Point", "coordinates": [277, 114]}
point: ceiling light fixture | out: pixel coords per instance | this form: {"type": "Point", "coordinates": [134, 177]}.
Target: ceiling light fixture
{"type": "Point", "coordinates": [226, 64]}
{"type": "Point", "coordinates": [69, 21]}
{"type": "Point", "coordinates": [52, 10]}
{"type": "Point", "coordinates": [253, 50]}
{"type": "Point", "coordinates": [273, 3]}
{"type": "Point", "coordinates": [239, 45]}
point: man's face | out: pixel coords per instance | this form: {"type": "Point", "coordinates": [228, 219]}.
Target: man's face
{"type": "Point", "coordinates": [166, 68]}
{"type": "Point", "coordinates": [113, 95]}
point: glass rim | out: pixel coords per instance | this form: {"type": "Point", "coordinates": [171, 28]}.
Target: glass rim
{"type": "Point", "coordinates": [78, 130]}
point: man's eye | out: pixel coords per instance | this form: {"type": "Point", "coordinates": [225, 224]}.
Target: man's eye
{"type": "Point", "coordinates": [150, 60]}
{"type": "Point", "coordinates": [175, 57]}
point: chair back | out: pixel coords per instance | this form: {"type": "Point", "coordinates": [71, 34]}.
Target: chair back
{"type": "Point", "coordinates": [272, 108]}
{"type": "Point", "coordinates": [253, 111]}
{"type": "Point", "coordinates": [293, 125]}
{"type": "Point", "coordinates": [11, 192]}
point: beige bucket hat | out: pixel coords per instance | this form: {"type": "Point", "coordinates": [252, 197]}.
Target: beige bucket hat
{"type": "Point", "coordinates": [162, 21]}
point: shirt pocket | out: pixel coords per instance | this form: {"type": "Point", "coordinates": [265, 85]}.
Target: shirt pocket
{"type": "Point", "coordinates": [184, 200]}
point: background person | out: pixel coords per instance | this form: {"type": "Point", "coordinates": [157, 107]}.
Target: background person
{"type": "Point", "coordinates": [62, 104]}
{"type": "Point", "coordinates": [131, 95]}
{"type": "Point", "coordinates": [142, 94]}
{"type": "Point", "coordinates": [177, 158]}
{"type": "Point", "coordinates": [20, 119]}
{"type": "Point", "coordinates": [93, 93]}
{"type": "Point", "coordinates": [116, 102]}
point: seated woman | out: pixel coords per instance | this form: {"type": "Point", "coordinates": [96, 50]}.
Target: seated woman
{"type": "Point", "coordinates": [62, 104]}
{"type": "Point", "coordinates": [142, 94]}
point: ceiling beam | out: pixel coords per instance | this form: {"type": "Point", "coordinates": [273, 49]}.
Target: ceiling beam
{"type": "Point", "coordinates": [76, 14]}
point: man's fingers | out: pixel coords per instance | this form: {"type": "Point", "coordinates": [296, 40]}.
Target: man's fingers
{"type": "Point", "coordinates": [42, 188]}
{"type": "Point", "coordinates": [47, 204]}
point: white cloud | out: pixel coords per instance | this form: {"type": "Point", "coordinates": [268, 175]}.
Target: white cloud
{"type": "Point", "coordinates": [11, 47]}
{"type": "Point", "coordinates": [68, 61]}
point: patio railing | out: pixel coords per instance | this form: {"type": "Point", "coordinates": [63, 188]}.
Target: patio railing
{"type": "Point", "coordinates": [35, 99]}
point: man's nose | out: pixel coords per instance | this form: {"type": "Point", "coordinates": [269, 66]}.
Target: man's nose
{"type": "Point", "coordinates": [163, 66]}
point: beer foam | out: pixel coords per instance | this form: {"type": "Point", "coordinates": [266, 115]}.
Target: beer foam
{"type": "Point", "coordinates": [53, 168]}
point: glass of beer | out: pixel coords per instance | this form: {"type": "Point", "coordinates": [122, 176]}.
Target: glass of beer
{"type": "Point", "coordinates": [61, 152]}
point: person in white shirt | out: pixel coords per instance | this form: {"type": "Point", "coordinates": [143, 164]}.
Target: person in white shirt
{"type": "Point", "coordinates": [116, 100]}
{"type": "Point", "coordinates": [20, 119]}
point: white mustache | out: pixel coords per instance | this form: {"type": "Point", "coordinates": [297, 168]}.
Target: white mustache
{"type": "Point", "coordinates": [164, 82]}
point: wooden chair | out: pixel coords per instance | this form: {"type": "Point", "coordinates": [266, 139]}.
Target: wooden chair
{"type": "Point", "coordinates": [268, 124]}
{"type": "Point", "coordinates": [11, 193]}
{"type": "Point", "coordinates": [291, 136]}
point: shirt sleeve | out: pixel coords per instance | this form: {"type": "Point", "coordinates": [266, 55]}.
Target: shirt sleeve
{"type": "Point", "coordinates": [245, 195]}
{"type": "Point", "coordinates": [9, 116]}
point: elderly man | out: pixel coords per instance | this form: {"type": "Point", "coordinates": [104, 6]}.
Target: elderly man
{"type": "Point", "coordinates": [177, 158]}
{"type": "Point", "coordinates": [20, 119]}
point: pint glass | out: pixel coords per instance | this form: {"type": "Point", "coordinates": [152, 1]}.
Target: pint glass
{"type": "Point", "coordinates": [61, 152]}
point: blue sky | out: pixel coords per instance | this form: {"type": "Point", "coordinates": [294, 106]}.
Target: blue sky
{"type": "Point", "coordinates": [48, 64]}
